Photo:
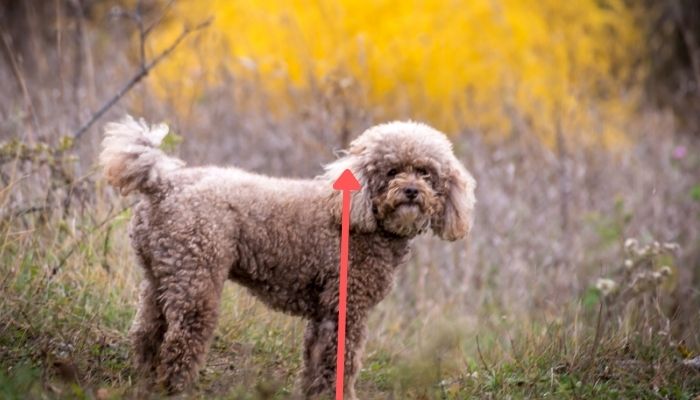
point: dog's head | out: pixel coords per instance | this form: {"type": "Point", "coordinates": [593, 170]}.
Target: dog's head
{"type": "Point", "coordinates": [411, 181]}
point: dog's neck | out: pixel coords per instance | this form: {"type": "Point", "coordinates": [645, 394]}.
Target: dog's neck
{"type": "Point", "coordinates": [389, 238]}
{"type": "Point", "coordinates": [393, 237]}
{"type": "Point", "coordinates": [399, 245]}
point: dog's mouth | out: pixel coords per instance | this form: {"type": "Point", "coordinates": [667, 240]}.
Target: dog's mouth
{"type": "Point", "coordinates": [406, 218]}
{"type": "Point", "coordinates": [408, 210]}
{"type": "Point", "coordinates": [408, 204]}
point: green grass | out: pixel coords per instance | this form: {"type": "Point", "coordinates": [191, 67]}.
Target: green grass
{"type": "Point", "coordinates": [63, 335]}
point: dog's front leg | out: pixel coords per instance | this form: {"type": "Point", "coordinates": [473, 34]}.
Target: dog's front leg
{"type": "Point", "coordinates": [320, 355]}
{"type": "Point", "coordinates": [355, 337]}
{"type": "Point", "coordinates": [319, 346]}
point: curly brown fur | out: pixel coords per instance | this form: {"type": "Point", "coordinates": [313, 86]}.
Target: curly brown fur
{"type": "Point", "coordinates": [194, 228]}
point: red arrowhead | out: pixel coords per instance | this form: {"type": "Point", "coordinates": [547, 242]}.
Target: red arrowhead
{"type": "Point", "coordinates": [346, 181]}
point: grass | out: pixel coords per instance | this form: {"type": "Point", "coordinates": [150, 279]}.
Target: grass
{"type": "Point", "coordinates": [63, 336]}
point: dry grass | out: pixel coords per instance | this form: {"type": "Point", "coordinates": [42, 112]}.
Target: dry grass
{"type": "Point", "coordinates": [514, 312]}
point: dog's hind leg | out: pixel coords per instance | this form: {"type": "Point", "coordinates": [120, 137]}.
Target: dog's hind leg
{"type": "Point", "coordinates": [190, 301]}
{"type": "Point", "coordinates": [147, 330]}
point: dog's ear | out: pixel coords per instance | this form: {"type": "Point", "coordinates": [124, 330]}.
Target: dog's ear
{"type": "Point", "coordinates": [456, 218]}
{"type": "Point", "coordinates": [361, 215]}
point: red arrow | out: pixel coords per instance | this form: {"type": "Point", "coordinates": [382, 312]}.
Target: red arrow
{"type": "Point", "coordinates": [347, 183]}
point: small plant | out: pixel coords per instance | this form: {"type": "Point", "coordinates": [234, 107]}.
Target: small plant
{"type": "Point", "coordinates": [635, 295]}
{"type": "Point", "coordinates": [645, 270]}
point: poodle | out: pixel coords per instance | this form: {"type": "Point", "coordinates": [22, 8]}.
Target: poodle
{"type": "Point", "coordinates": [196, 227]}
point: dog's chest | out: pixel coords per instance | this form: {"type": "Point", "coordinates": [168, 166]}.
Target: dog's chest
{"type": "Point", "coordinates": [373, 265]}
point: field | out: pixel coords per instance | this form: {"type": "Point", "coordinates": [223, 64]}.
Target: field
{"type": "Point", "coordinates": [579, 280]}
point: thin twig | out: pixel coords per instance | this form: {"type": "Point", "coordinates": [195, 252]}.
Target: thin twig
{"type": "Point", "coordinates": [481, 357]}
{"type": "Point", "coordinates": [142, 36]}
{"type": "Point", "coordinates": [7, 42]}
{"type": "Point", "coordinates": [62, 261]}
{"type": "Point", "coordinates": [22, 211]}
{"type": "Point", "coordinates": [691, 45]}
{"type": "Point", "coordinates": [138, 77]}
{"type": "Point", "coordinates": [162, 15]}
{"type": "Point", "coordinates": [596, 341]}
{"type": "Point", "coordinates": [79, 56]}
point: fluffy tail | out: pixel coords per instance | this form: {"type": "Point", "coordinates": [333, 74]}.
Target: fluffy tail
{"type": "Point", "coordinates": [131, 159]}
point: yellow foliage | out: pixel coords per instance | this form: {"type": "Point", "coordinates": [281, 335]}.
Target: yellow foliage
{"type": "Point", "coordinates": [491, 65]}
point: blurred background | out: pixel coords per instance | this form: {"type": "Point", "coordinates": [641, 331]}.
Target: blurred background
{"type": "Point", "coordinates": [579, 121]}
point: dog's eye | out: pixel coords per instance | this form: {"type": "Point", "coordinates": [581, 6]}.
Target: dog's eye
{"type": "Point", "coordinates": [392, 172]}
{"type": "Point", "coordinates": [422, 172]}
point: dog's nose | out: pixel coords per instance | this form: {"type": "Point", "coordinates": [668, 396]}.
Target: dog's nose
{"type": "Point", "coordinates": [410, 192]}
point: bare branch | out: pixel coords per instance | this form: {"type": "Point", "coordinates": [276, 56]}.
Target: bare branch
{"type": "Point", "coordinates": [689, 41]}
{"type": "Point", "coordinates": [159, 18]}
{"type": "Point", "coordinates": [143, 71]}
{"type": "Point", "coordinates": [23, 211]}
{"type": "Point", "coordinates": [177, 41]}
{"type": "Point", "coordinates": [7, 42]}
{"type": "Point", "coordinates": [142, 36]}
